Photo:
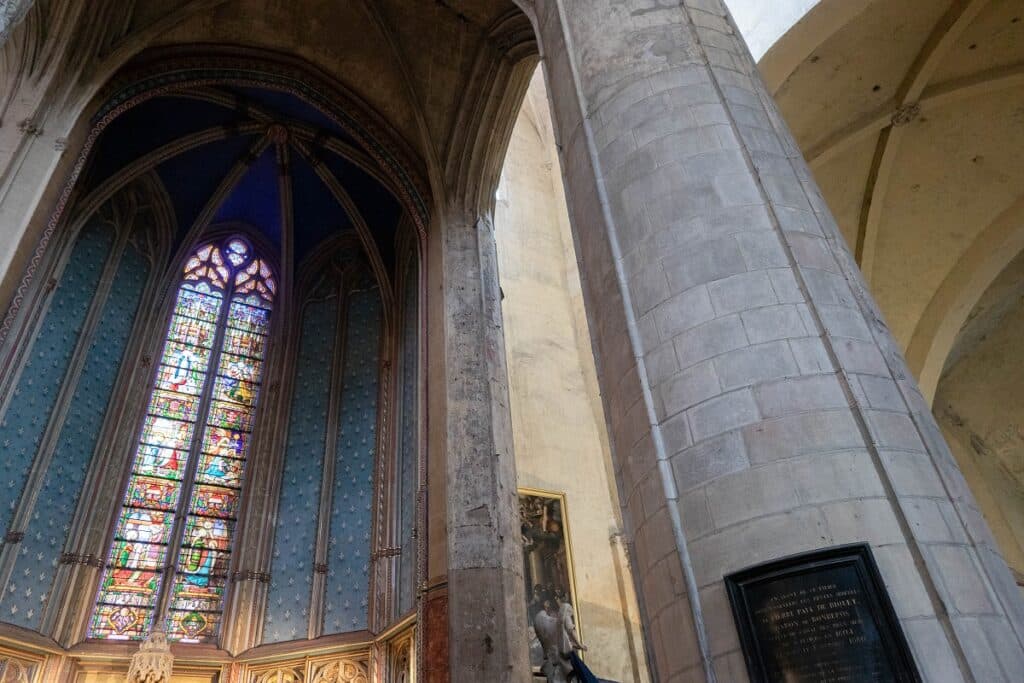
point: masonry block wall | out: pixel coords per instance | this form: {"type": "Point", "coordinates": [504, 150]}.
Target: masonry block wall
{"type": "Point", "coordinates": [758, 406]}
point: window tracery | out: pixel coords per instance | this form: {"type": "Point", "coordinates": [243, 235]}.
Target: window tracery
{"type": "Point", "coordinates": [172, 540]}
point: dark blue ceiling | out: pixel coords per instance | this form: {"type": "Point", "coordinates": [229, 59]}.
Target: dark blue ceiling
{"type": "Point", "coordinates": [316, 212]}
{"type": "Point", "coordinates": [192, 178]}
{"type": "Point", "coordinates": [377, 205]}
{"type": "Point", "coordinates": [256, 198]}
{"type": "Point", "coordinates": [149, 125]}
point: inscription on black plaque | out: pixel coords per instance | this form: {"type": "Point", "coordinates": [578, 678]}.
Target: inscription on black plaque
{"type": "Point", "coordinates": [821, 617]}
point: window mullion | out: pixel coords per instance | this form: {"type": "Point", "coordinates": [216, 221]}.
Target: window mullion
{"type": "Point", "coordinates": [192, 463]}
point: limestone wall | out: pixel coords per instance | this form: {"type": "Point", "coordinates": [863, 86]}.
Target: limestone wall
{"type": "Point", "coordinates": [557, 420]}
{"type": "Point", "coordinates": [979, 409]}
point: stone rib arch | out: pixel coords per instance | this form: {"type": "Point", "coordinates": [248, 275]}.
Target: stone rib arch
{"type": "Point", "coordinates": [949, 307]}
{"type": "Point", "coordinates": [170, 69]}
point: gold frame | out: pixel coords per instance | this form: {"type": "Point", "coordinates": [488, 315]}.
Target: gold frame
{"type": "Point", "coordinates": [567, 536]}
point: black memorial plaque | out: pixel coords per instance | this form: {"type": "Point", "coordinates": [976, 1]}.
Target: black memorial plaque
{"type": "Point", "coordinates": [821, 617]}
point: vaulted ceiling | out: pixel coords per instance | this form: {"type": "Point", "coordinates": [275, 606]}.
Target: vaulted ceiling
{"type": "Point", "coordinates": [265, 158]}
{"type": "Point", "coordinates": [910, 114]}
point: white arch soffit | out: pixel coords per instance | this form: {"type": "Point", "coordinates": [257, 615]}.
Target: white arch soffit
{"type": "Point", "coordinates": [980, 265]}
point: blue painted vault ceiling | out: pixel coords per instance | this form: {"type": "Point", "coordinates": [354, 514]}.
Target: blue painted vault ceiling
{"type": "Point", "coordinates": [244, 120]}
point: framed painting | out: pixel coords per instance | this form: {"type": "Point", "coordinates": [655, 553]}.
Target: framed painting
{"type": "Point", "coordinates": [547, 559]}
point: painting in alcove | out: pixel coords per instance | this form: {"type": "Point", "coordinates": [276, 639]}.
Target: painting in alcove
{"type": "Point", "coordinates": [547, 559]}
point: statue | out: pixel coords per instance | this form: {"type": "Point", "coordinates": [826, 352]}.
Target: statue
{"type": "Point", "coordinates": [153, 662]}
{"type": "Point", "coordinates": [555, 626]}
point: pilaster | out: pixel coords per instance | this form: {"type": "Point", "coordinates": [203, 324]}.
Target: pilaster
{"type": "Point", "coordinates": [485, 598]}
{"type": "Point", "coordinates": [757, 404]}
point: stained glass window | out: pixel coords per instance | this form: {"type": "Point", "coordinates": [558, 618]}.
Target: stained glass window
{"type": "Point", "coordinates": [190, 457]}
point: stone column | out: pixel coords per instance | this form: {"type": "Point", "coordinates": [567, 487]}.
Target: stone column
{"type": "Point", "coordinates": [757, 405]}
{"type": "Point", "coordinates": [486, 600]}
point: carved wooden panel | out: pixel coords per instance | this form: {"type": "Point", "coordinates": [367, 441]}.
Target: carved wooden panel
{"type": "Point", "coordinates": [284, 674]}
{"type": "Point", "coordinates": [340, 671]}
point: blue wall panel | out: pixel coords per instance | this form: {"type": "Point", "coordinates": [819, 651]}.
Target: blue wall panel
{"type": "Point", "coordinates": [347, 596]}
{"type": "Point", "coordinates": [287, 614]}
{"type": "Point", "coordinates": [408, 447]}
{"type": "Point", "coordinates": [47, 530]}
{"type": "Point", "coordinates": [21, 428]}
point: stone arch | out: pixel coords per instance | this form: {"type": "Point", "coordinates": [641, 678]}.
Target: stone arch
{"type": "Point", "coordinates": [949, 307]}
{"type": "Point", "coordinates": [167, 70]}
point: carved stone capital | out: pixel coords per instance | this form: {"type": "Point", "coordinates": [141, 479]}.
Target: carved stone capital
{"type": "Point", "coordinates": [386, 552]}
{"type": "Point", "coordinates": [250, 575]}
{"type": "Point", "coordinates": [86, 559]}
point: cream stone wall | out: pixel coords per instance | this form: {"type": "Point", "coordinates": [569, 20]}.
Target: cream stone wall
{"type": "Point", "coordinates": [557, 420]}
{"type": "Point", "coordinates": [979, 408]}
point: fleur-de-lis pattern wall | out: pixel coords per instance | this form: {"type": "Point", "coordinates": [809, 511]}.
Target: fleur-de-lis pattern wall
{"type": "Point", "coordinates": [409, 443]}
{"type": "Point", "coordinates": [76, 429]}
{"type": "Point", "coordinates": [348, 555]}
{"type": "Point", "coordinates": [354, 343]}
{"type": "Point", "coordinates": [287, 615]}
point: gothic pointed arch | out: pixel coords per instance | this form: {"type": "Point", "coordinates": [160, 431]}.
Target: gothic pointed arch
{"type": "Point", "coordinates": [170, 551]}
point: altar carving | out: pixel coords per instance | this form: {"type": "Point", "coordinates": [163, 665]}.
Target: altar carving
{"type": "Point", "coordinates": [342, 671]}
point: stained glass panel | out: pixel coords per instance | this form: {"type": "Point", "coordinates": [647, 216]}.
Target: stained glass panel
{"type": "Point", "coordinates": [230, 416]}
{"type": "Point", "coordinates": [249, 318]}
{"type": "Point", "coordinates": [240, 368]}
{"type": "Point", "coordinates": [167, 463]}
{"type": "Point", "coordinates": [191, 331]}
{"type": "Point", "coordinates": [115, 621]}
{"type": "Point", "coordinates": [193, 626]}
{"type": "Point", "coordinates": [207, 532]}
{"type": "Point", "coordinates": [243, 343]}
{"type": "Point", "coordinates": [197, 586]}
{"type": "Point", "coordinates": [160, 431]}
{"type": "Point", "coordinates": [237, 252]}
{"type": "Point", "coordinates": [147, 526]}
{"type": "Point", "coordinates": [152, 493]}
{"type": "Point", "coordinates": [224, 442]}
{"type": "Point", "coordinates": [214, 501]}
{"type": "Point", "coordinates": [175, 406]}
{"type": "Point", "coordinates": [138, 555]}
{"type": "Point", "coordinates": [183, 401]}
{"type": "Point", "coordinates": [181, 368]}
{"type": "Point", "coordinates": [220, 471]}
{"type": "Point", "coordinates": [235, 391]}
{"type": "Point", "coordinates": [198, 302]}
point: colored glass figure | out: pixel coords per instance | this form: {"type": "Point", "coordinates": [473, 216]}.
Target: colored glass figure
{"type": "Point", "coordinates": [237, 252]}
{"type": "Point", "coordinates": [194, 438]}
{"type": "Point", "coordinates": [220, 471]}
{"type": "Point", "coordinates": [224, 442]}
{"type": "Point", "coordinates": [167, 463]}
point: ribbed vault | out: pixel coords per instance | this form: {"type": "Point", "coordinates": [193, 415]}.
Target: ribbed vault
{"type": "Point", "coordinates": [908, 113]}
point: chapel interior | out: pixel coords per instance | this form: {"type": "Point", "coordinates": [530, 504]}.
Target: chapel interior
{"type": "Point", "coordinates": [339, 337]}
